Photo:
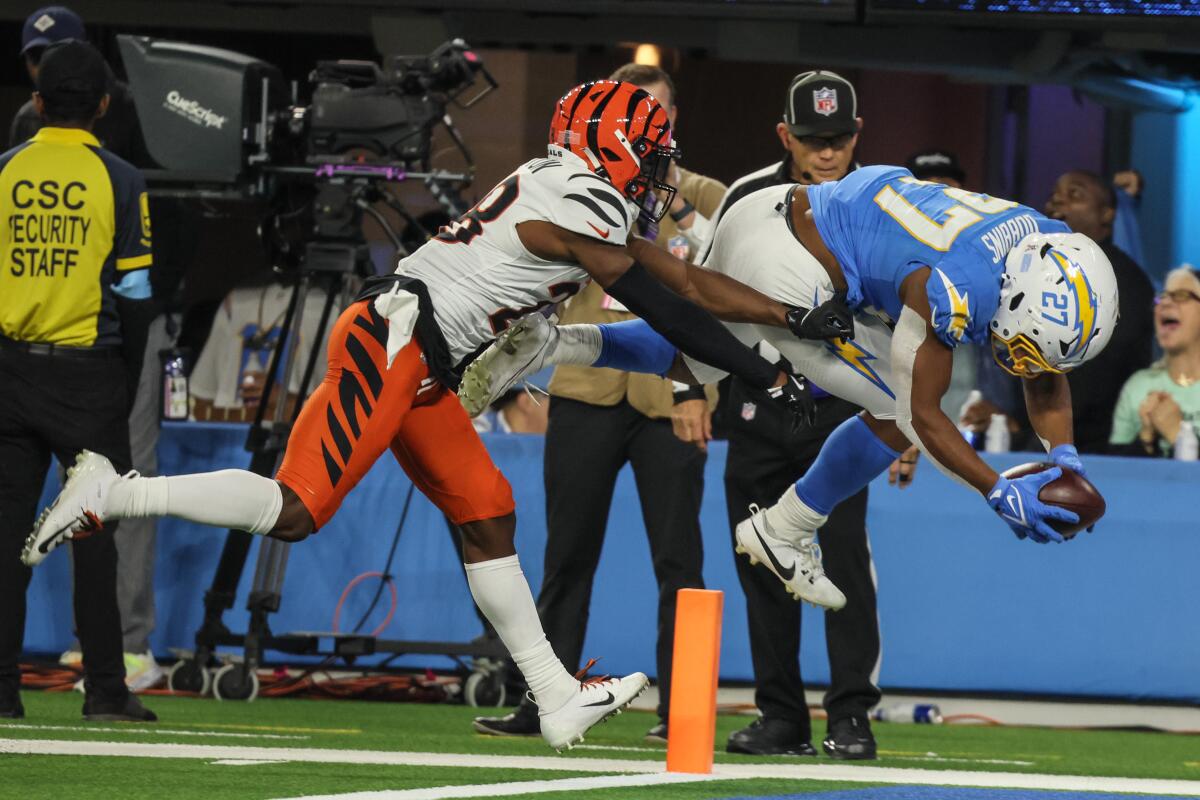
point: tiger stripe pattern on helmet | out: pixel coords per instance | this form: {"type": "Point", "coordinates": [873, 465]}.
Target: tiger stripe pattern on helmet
{"type": "Point", "coordinates": [620, 131]}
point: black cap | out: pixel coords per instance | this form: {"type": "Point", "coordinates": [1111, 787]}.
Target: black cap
{"type": "Point", "coordinates": [821, 103]}
{"type": "Point", "coordinates": [72, 78]}
{"type": "Point", "coordinates": [935, 164]}
{"type": "Point", "coordinates": [49, 25]}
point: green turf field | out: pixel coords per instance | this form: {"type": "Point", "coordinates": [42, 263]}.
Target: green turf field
{"type": "Point", "coordinates": [316, 747]}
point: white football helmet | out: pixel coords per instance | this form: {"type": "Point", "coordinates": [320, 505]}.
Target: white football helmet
{"type": "Point", "coordinates": [1058, 304]}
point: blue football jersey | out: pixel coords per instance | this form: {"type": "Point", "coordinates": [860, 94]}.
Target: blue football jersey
{"type": "Point", "coordinates": [881, 223]}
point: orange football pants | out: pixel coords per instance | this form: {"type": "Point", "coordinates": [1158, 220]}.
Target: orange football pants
{"type": "Point", "coordinates": [363, 406]}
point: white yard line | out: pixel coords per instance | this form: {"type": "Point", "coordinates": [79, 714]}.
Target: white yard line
{"type": "Point", "coordinates": [242, 762]}
{"type": "Point", "coordinates": [515, 788]}
{"type": "Point", "coordinates": [156, 731]}
{"type": "Point", "coordinates": [824, 772]}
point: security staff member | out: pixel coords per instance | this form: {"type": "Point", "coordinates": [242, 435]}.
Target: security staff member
{"type": "Point", "coordinates": [819, 131]}
{"type": "Point", "coordinates": [74, 304]}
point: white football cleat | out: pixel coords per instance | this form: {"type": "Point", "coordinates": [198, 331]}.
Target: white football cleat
{"type": "Point", "coordinates": [520, 350]}
{"type": "Point", "coordinates": [798, 564]}
{"type": "Point", "coordinates": [78, 510]}
{"type": "Point", "coordinates": [597, 700]}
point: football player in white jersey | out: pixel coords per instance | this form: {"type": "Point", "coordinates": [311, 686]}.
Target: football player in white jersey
{"type": "Point", "coordinates": [531, 242]}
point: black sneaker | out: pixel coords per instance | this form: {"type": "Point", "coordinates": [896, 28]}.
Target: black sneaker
{"type": "Point", "coordinates": [657, 734]}
{"type": "Point", "coordinates": [769, 737]}
{"type": "Point", "coordinates": [10, 703]}
{"type": "Point", "coordinates": [523, 721]}
{"type": "Point", "coordinates": [850, 739]}
{"type": "Point", "coordinates": [124, 709]}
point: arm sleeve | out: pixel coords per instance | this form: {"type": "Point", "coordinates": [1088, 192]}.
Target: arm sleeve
{"type": "Point", "coordinates": [133, 243]}
{"type": "Point", "coordinates": [690, 328]}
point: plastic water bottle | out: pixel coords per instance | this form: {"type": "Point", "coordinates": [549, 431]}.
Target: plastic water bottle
{"type": "Point", "coordinates": [175, 385]}
{"type": "Point", "coordinates": [921, 713]}
{"type": "Point", "coordinates": [997, 439]}
{"type": "Point", "coordinates": [1187, 448]}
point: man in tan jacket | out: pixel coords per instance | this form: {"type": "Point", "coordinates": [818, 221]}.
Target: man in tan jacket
{"type": "Point", "coordinates": [599, 420]}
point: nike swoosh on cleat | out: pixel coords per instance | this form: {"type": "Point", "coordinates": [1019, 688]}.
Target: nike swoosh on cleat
{"type": "Point", "coordinates": [786, 573]}
{"type": "Point", "coordinates": [608, 701]}
{"type": "Point", "coordinates": [44, 547]}
{"type": "Point", "coordinates": [603, 234]}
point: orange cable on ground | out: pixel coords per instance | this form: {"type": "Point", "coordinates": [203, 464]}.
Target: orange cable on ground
{"type": "Point", "coordinates": [693, 717]}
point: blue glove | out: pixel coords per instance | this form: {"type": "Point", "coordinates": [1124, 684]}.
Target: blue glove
{"type": "Point", "coordinates": [1017, 503]}
{"type": "Point", "coordinates": [1065, 455]}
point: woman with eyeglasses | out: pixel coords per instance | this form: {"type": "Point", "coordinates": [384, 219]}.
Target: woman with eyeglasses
{"type": "Point", "coordinates": [1156, 401]}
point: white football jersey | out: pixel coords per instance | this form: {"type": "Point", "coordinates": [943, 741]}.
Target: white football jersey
{"type": "Point", "coordinates": [479, 275]}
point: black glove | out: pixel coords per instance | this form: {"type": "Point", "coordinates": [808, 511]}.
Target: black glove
{"type": "Point", "coordinates": [795, 395]}
{"type": "Point", "coordinates": [833, 319]}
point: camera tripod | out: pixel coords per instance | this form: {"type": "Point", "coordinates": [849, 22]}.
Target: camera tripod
{"type": "Point", "coordinates": [344, 193]}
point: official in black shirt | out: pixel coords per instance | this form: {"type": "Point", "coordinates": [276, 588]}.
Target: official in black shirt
{"type": "Point", "coordinates": [819, 131]}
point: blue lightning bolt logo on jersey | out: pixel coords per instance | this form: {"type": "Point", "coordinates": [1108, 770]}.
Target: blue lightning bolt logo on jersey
{"type": "Point", "coordinates": [881, 224]}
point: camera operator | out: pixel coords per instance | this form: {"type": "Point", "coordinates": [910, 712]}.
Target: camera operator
{"type": "Point", "coordinates": [119, 132]}
{"type": "Point", "coordinates": [74, 303]}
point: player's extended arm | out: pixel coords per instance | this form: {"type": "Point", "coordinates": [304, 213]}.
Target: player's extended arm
{"type": "Point", "coordinates": [682, 323]}
{"type": "Point", "coordinates": [1048, 400]}
{"type": "Point", "coordinates": [719, 295]}
{"type": "Point", "coordinates": [922, 367]}
{"type": "Point", "coordinates": [734, 301]}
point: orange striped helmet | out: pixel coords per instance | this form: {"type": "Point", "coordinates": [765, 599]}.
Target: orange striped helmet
{"type": "Point", "coordinates": [622, 134]}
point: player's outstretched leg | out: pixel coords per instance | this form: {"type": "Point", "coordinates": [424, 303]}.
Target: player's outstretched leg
{"type": "Point", "coordinates": [94, 493]}
{"type": "Point", "coordinates": [240, 499]}
{"type": "Point", "coordinates": [567, 706]}
{"type": "Point", "coordinates": [783, 537]}
{"type": "Point", "coordinates": [533, 342]}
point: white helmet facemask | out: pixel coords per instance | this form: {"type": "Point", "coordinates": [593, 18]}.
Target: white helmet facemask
{"type": "Point", "coordinates": [1058, 305]}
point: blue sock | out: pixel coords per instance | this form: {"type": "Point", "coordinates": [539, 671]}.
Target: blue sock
{"type": "Point", "coordinates": [633, 346]}
{"type": "Point", "coordinates": [850, 459]}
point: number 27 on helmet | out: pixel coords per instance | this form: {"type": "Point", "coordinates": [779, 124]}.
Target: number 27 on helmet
{"type": "Point", "coordinates": [1058, 305]}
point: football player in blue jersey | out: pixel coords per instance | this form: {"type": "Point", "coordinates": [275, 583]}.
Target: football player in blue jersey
{"type": "Point", "coordinates": [925, 267]}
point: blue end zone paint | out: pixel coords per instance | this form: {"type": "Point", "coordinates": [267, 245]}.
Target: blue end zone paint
{"type": "Point", "coordinates": [951, 793]}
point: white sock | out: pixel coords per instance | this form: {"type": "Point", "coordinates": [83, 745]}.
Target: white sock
{"type": "Point", "coordinates": [791, 518]}
{"type": "Point", "coordinates": [502, 593]}
{"type": "Point", "coordinates": [230, 498]}
{"type": "Point", "coordinates": [576, 344]}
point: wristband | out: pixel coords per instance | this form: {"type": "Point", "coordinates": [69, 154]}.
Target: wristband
{"type": "Point", "coordinates": [679, 215]}
{"type": "Point", "coordinates": [688, 393]}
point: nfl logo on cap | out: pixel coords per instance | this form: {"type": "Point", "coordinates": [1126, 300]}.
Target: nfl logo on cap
{"type": "Point", "coordinates": [825, 101]}
{"type": "Point", "coordinates": [749, 411]}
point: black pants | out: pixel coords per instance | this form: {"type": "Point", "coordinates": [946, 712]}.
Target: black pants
{"type": "Point", "coordinates": [586, 446]}
{"type": "Point", "coordinates": [764, 459]}
{"type": "Point", "coordinates": [60, 405]}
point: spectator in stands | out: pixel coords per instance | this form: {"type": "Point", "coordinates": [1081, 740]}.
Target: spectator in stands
{"type": "Point", "coordinates": [1154, 402]}
{"type": "Point", "coordinates": [819, 132]}
{"type": "Point", "coordinates": [599, 420]}
{"type": "Point", "coordinates": [1088, 204]}
{"type": "Point", "coordinates": [938, 166]}
{"type": "Point", "coordinates": [228, 380]}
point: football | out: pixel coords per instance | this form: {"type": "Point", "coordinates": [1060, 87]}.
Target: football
{"type": "Point", "coordinates": [1071, 491]}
